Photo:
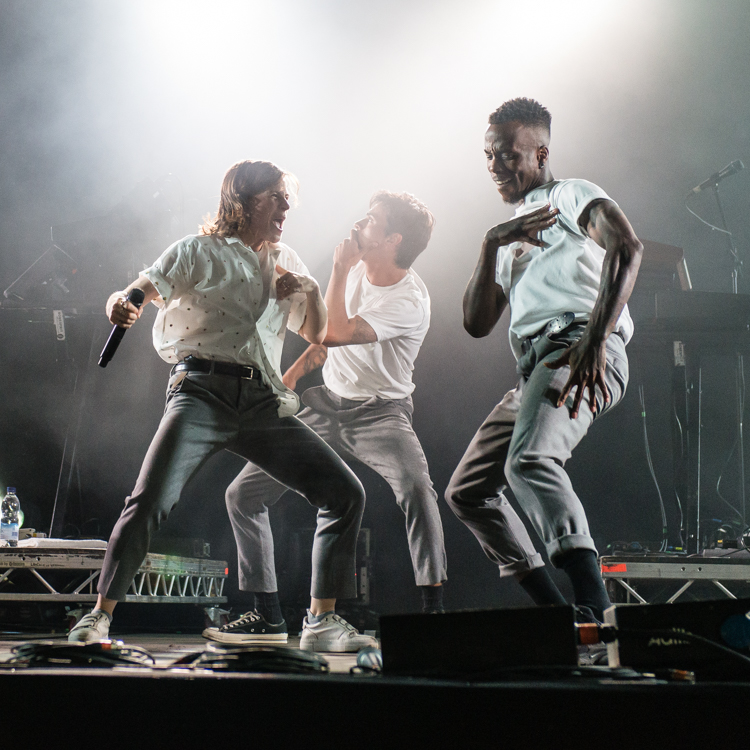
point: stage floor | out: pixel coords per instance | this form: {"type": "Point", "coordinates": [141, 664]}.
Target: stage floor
{"type": "Point", "coordinates": [163, 708]}
{"type": "Point", "coordinates": [165, 648]}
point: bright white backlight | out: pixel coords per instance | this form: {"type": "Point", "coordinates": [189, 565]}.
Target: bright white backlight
{"type": "Point", "coordinates": [208, 48]}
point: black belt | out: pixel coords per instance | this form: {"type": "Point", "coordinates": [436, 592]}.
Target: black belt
{"type": "Point", "coordinates": [218, 368]}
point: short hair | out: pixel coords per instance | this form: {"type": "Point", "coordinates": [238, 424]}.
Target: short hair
{"type": "Point", "coordinates": [408, 217]}
{"type": "Point", "coordinates": [241, 183]}
{"type": "Point", "coordinates": [523, 110]}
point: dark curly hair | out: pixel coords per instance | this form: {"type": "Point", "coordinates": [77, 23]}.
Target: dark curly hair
{"type": "Point", "coordinates": [523, 110]}
{"type": "Point", "coordinates": [408, 217]}
{"type": "Point", "coordinates": [242, 182]}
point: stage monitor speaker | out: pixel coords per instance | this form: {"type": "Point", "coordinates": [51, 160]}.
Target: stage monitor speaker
{"type": "Point", "coordinates": [479, 642]}
{"type": "Point", "coordinates": [657, 636]}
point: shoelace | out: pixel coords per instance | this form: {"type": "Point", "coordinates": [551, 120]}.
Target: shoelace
{"type": "Point", "coordinates": [91, 619]}
{"type": "Point", "coordinates": [346, 625]}
{"type": "Point", "coordinates": [244, 620]}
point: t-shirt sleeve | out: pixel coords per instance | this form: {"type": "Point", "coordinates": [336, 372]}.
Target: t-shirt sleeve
{"type": "Point", "coordinates": [171, 273]}
{"type": "Point", "coordinates": [390, 318]}
{"type": "Point", "coordinates": [572, 197]}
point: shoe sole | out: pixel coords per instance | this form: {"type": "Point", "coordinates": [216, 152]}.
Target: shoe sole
{"type": "Point", "coordinates": [89, 640]}
{"type": "Point", "coordinates": [334, 647]}
{"type": "Point", "coordinates": [73, 638]}
{"type": "Point", "coordinates": [213, 634]}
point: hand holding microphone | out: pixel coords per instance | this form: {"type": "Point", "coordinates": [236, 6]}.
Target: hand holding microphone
{"type": "Point", "coordinates": [123, 313]}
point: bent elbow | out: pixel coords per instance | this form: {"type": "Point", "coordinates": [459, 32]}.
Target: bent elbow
{"type": "Point", "coordinates": [636, 251]}
{"type": "Point", "coordinates": [633, 255]}
{"type": "Point", "coordinates": [314, 337]}
{"type": "Point", "coordinates": [318, 338]}
{"type": "Point", "coordinates": [475, 329]}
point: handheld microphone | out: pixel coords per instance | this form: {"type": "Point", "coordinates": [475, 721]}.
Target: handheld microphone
{"type": "Point", "coordinates": [136, 296]}
{"type": "Point", "coordinates": [717, 177]}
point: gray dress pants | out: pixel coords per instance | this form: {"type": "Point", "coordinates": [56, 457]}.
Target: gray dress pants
{"type": "Point", "coordinates": [378, 433]}
{"type": "Point", "coordinates": [206, 413]}
{"type": "Point", "coordinates": [524, 444]}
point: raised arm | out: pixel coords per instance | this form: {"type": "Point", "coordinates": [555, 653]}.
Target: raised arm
{"type": "Point", "coordinates": [484, 299]}
{"type": "Point", "coordinates": [608, 226]}
{"type": "Point", "coordinates": [342, 329]}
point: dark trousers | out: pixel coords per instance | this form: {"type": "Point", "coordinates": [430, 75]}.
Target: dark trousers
{"type": "Point", "coordinates": [206, 413]}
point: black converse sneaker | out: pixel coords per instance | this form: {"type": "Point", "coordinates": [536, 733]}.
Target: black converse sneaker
{"type": "Point", "coordinates": [250, 628]}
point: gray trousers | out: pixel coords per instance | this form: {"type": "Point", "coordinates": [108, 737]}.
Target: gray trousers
{"type": "Point", "coordinates": [524, 444]}
{"type": "Point", "coordinates": [376, 432]}
{"type": "Point", "coordinates": [206, 413]}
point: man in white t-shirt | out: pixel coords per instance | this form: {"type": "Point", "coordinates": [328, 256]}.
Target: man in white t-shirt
{"type": "Point", "coordinates": [225, 299]}
{"type": "Point", "coordinates": [565, 264]}
{"type": "Point", "coordinates": [378, 315]}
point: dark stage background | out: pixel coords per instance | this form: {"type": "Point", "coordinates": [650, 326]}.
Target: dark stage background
{"type": "Point", "coordinates": [119, 120]}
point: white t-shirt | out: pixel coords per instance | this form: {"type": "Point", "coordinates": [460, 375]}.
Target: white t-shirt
{"type": "Point", "coordinates": [400, 316]}
{"type": "Point", "coordinates": [216, 293]}
{"type": "Point", "coordinates": [565, 276]}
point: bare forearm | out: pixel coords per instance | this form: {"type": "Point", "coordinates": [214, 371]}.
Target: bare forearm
{"type": "Point", "coordinates": [340, 326]}
{"type": "Point", "coordinates": [484, 300]}
{"type": "Point", "coordinates": [618, 278]}
{"type": "Point", "coordinates": [311, 359]}
{"type": "Point", "coordinates": [316, 320]}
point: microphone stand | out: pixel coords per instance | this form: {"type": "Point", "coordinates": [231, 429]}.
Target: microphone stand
{"type": "Point", "coordinates": [740, 360]}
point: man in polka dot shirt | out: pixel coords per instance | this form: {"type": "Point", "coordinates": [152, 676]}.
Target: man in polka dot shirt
{"type": "Point", "coordinates": [225, 298]}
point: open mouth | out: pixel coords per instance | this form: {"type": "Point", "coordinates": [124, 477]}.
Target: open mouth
{"type": "Point", "coordinates": [502, 183]}
{"type": "Point", "coordinates": [278, 224]}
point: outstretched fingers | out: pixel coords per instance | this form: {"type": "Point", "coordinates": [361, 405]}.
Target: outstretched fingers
{"type": "Point", "coordinates": [603, 386]}
{"type": "Point", "coordinates": [538, 221]}
{"type": "Point", "coordinates": [584, 379]}
{"type": "Point", "coordinates": [576, 401]}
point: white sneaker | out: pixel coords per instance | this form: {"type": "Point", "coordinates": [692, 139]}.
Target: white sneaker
{"type": "Point", "coordinates": [333, 633]}
{"type": "Point", "coordinates": [91, 627]}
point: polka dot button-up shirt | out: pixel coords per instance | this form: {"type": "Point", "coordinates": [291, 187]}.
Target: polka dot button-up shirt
{"type": "Point", "coordinates": [215, 293]}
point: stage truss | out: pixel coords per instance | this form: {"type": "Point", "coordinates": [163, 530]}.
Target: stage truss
{"type": "Point", "coordinates": [70, 575]}
{"type": "Point", "coordinates": [624, 573]}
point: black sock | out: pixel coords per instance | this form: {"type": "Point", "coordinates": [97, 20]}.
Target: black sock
{"type": "Point", "coordinates": [268, 607]}
{"type": "Point", "coordinates": [539, 585]}
{"type": "Point", "coordinates": [244, 601]}
{"type": "Point", "coordinates": [432, 599]}
{"type": "Point", "coordinates": [582, 567]}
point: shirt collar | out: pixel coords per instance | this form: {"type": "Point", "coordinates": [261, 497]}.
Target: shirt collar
{"type": "Point", "coordinates": [273, 249]}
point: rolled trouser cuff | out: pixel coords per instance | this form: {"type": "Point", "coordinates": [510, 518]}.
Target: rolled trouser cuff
{"type": "Point", "coordinates": [557, 547]}
{"type": "Point", "coordinates": [343, 590]}
{"type": "Point", "coordinates": [521, 566]}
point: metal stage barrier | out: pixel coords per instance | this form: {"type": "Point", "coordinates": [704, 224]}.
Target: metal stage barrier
{"type": "Point", "coordinates": [69, 575]}
{"type": "Point", "coordinates": [624, 574]}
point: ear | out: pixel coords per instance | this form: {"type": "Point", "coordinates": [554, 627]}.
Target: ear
{"type": "Point", "coordinates": [542, 155]}
{"type": "Point", "coordinates": [395, 240]}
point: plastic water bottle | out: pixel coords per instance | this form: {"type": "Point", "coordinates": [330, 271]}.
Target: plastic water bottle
{"type": "Point", "coordinates": [9, 523]}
